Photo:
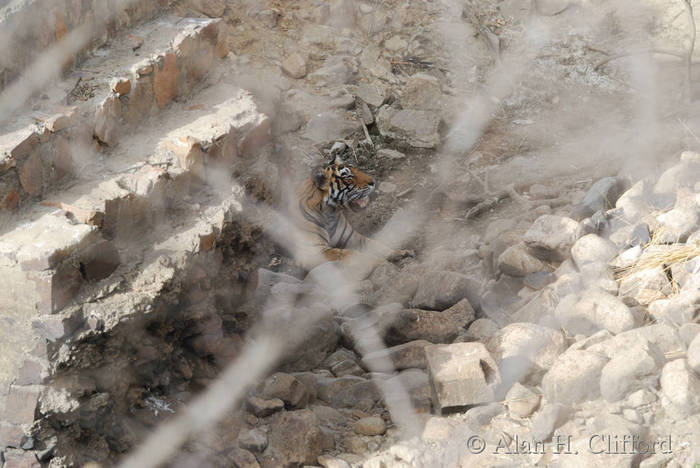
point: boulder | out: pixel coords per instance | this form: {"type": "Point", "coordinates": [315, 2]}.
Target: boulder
{"type": "Point", "coordinates": [551, 237]}
{"type": "Point", "coordinates": [574, 377]}
{"type": "Point", "coordinates": [443, 289]}
{"type": "Point", "coordinates": [294, 439]}
{"type": "Point", "coordinates": [432, 326]}
{"type": "Point", "coordinates": [602, 196]}
{"type": "Point", "coordinates": [595, 310]}
{"type": "Point", "coordinates": [417, 128]}
{"type": "Point", "coordinates": [680, 390]}
{"type": "Point", "coordinates": [461, 374]}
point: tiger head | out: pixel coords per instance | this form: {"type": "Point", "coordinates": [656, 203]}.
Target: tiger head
{"type": "Point", "coordinates": [343, 185]}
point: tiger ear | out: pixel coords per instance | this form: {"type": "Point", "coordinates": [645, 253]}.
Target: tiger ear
{"type": "Point", "coordinates": [319, 178]}
{"type": "Point", "coordinates": [337, 159]}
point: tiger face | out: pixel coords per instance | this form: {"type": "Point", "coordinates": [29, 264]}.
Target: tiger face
{"type": "Point", "coordinates": [343, 185]}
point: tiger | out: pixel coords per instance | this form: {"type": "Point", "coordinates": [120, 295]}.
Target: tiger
{"type": "Point", "coordinates": [325, 233]}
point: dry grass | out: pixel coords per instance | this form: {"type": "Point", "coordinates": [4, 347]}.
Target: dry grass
{"type": "Point", "coordinates": [656, 255]}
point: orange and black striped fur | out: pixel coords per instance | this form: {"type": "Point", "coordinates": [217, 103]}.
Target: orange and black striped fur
{"type": "Point", "coordinates": [324, 232]}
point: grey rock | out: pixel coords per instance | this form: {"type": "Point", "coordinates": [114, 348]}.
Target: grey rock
{"type": "Point", "coordinates": [596, 310]}
{"type": "Point", "coordinates": [535, 347]}
{"type": "Point", "coordinates": [263, 408]}
{"type": "Point", "coordinates": [574, 377]}
{"type": "Point", "coordinates": [551, 237]}
{"type": "Point", "coordinates": [404, 356]}
{"type": "Point", "coordinates": [683, 175]}
{"type": "Point", "coordinates": [329, 126]}
{"type": "Point", "coordinates": [517, 261]}
{"type": "Point", "coordinates": [432, 326]}
{"type": "Point", "coordinates": [688, 332]}
{"type": "Point", "coordinates": [287, 388]}
{"type": "Point", "coordinates": [521, 401]}
{"type": "Point", "coordinates": [694, 354]}
{"type": "Point", "coordinates": [592, 248]}
{"type": "Point", "coordinates": [322, 341]}
{"type": "Point", "coordinates": [362, 395]}
{"type": "Point", "coordinates": [329, 387]}
{"type": "Point", "coordinates": [444, 289]}
{"type": "Point", "coordinates": [417, 128]}
{"type": "Point", "coordinates": [422, 92]}
{"type": "Point", "coordinates": [602, 195]}
{"type": "Point", "coordinates": [630, 370]}
{"type": "Point", "coordinates": [294, 439]}
{"type": "Point", "coordinates": [241, 458]}
{"type": "Point", "coordinates": [373, 93]}
{"type": "Point", "coordinates": [550, 417]}
{"type": "Point", "coordinates": [347, 367]}
{"type": "Point", "coordinates": [294, 66]}
{"type": "Point", "coordinates": [680, 389]}
{"type": "Point", "coordinates": [461, 374]}
{"type": "Point", "coordinates": [371, 426]}
{"type": "Point", "coordinates": [387, 153]}
{"type": "Point", "coordinates": [481, 330]}
{"type": "Point", "coordinates": [254, 440]}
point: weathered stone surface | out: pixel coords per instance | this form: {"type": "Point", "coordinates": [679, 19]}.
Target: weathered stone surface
{"type": "Point", "coordinates": [435, 327]}
{"type": "Point", "coordinates": [20, 459]}
{"type": "Point", "coordinates": [44, 243]}
{"type": "Point", "coordinates": [592, 248]}
{"type": "Point", "coordinates": [461, 374]}
{"type": "Point", "coordinates": [444, 289]}
{"type": "Point", "coordinates": [680, 389]}
{"type": "Point", "coordinates": [20, 405]}
{"type": "Point", "coordinates": [107, 118]}
{"type": "Point", "coordinates": [550, 417]}
{"type": "Point", "coordinates": [336, 71]}
{"type": "Point", "coordinates": [417, 383]}
{"type": "Point", "coordinates": [361, 395]}
{"type": "Point", "coordinates": [329, 387]}
{"type": "Point", "coordinates": [694, 354]}
{"type": "Point", "coordinates": [404, 356]}
{"type": "Point", "coordinates": [211, 8]}
{"type": "Point", "coordinates": [31, 175]}
{"type": "Point", "coordinates": [534, 347]}
{"type": "Point", "coordinates": [287, 388]}
{"type": "Point", "coordinates": [241, 458]}
{"type": "Point", "coordinates": [646, 286]}
{"type": "Point", "coordinates": [99, 261]}
{"type": "Point", "coordinates": [421, 92]}
{"type": "Point", "coordinates": [415, 127]}
{"type": "Point", "coordinates": [371, 426]}
{"type": "Point", "coordinates": [17, 145]}
{"type": "Point", "coordinates": [574, 377]}
{"type": "Point", "coordinates": [481, 330]}
{"type": "Point", "coordinates": [263, 408]}
{"type": "Point", "coordinates": [677, 224]}
{"type": "Point", "coordinates": [551, 237]}
{"type": "Point", "coordinates": [521, 401]}
{"type": "Point", "coordinates": [596, 310]}
{"type": "Point", "coordinates": [347, 367]}
{"type": "Point", "coordinates": [120, 86]}
{"type": "Point", "coordinates": [254, 440]}
{"type": "Point", "coordinates": [294, 439]}
{"type": "Point", "coordinates": [294, 65]}
{"type": "Point", "coordinates": [373, 93]}
{"type": "Point", "coordinates": [516, 261]}
{"type": "Point", "coordinates": [322, 341]}
{"type": "Point", "coordinates": [329, 126]}
{"type": "Point", "coordinates": [602, 195]}
{"type": "Point", "coordinates": [390, 154]}
{"type": "Point", "coordinates": [630, 370]}
{"type": "Point", "coordinates": [165, 79]}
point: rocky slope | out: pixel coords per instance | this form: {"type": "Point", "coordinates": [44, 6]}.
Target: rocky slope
{"type": "Point", "coordinates": [553, 304]}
